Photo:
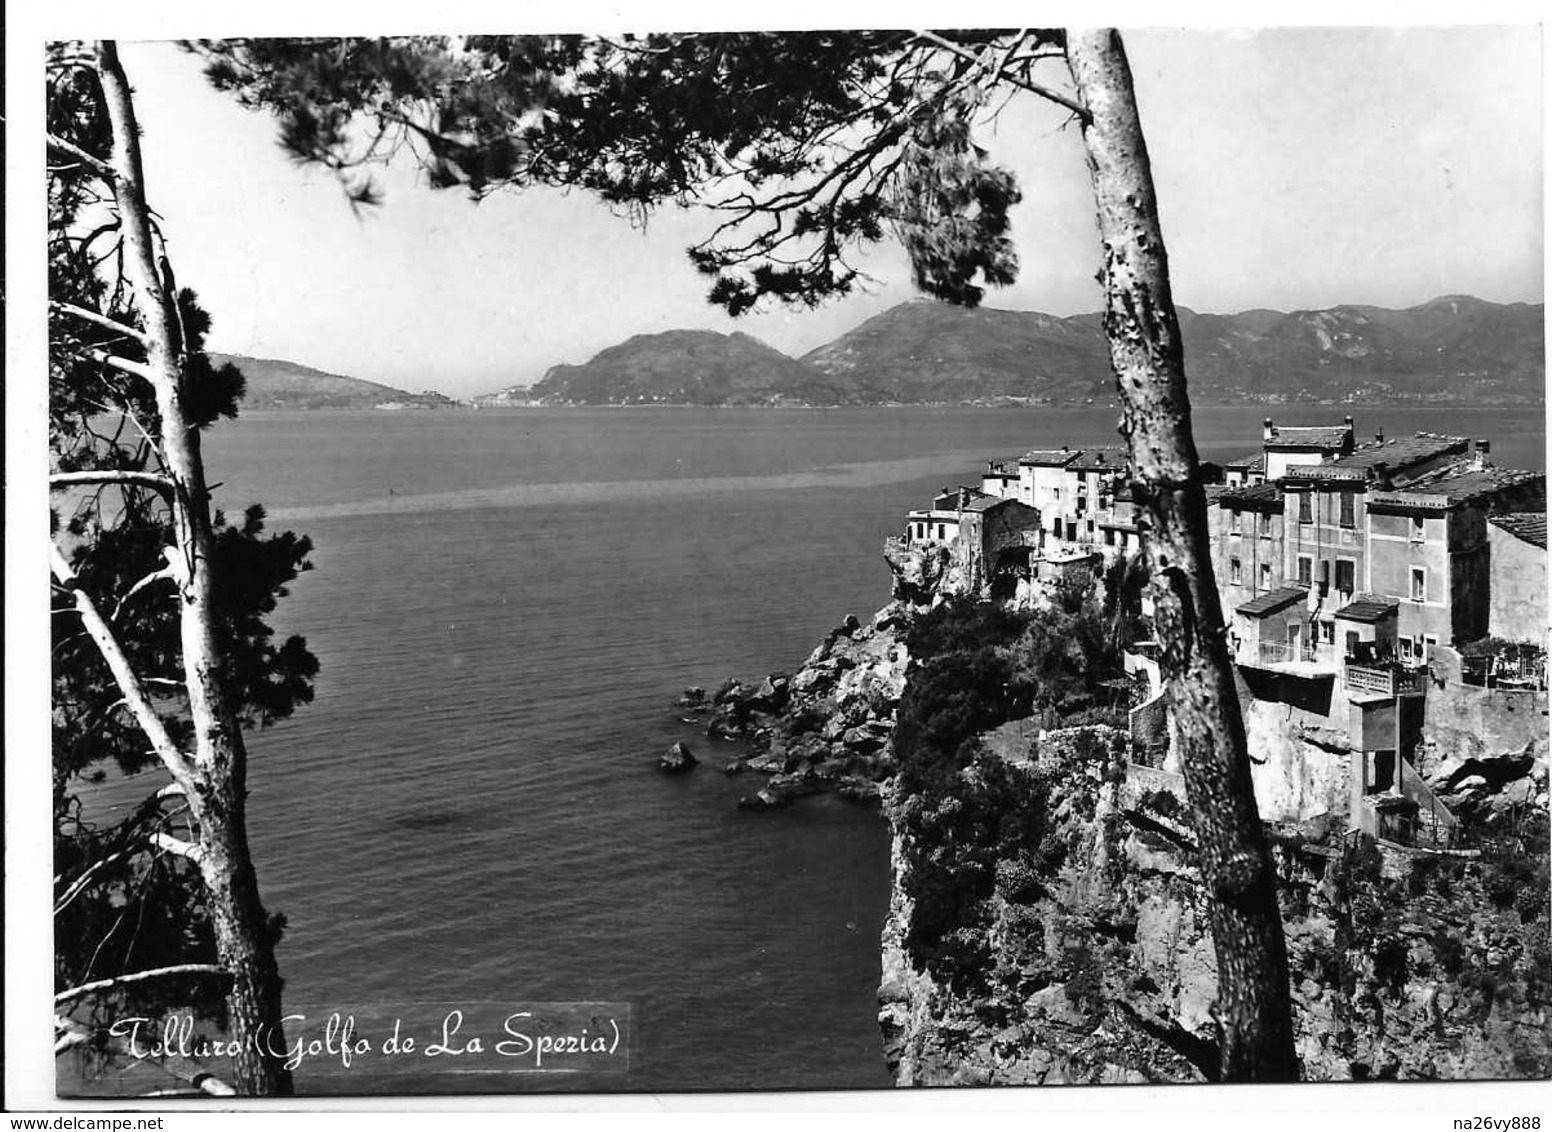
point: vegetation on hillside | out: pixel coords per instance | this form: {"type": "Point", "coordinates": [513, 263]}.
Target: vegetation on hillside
{"type": "Point", "coordinates": [972, 820]}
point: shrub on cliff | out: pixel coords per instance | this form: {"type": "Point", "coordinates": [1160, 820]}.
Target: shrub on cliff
{"type": "Point", "coordinates": [967, 815]}
{"type": "Point", "coordinates": [963, 624]}
{"type": "Point", "coordinates": [958, 832]}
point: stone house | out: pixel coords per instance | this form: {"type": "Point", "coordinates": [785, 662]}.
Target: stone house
{"type": "Point", "coordinates": [1326, 542]}
{"type": "Point", "coordinates": [1245, 471]}
{"type": "Point", "coordinates": [1517, 573]}
{"type": "Point", "coordinates": [1247, 540]}
{"type": "Point", "coordinates": [1001, 478]}
{"type": "Point", "coordinates": [997, 538]}
{"type": "Point", "coordinates": [1429, 549]}
{"type": "Point", "coordinates": [988, 537]}
{"type": "Point", "coordinates": [1285, 446]}
{"type": "Point", "coordinates": [1044, 485]}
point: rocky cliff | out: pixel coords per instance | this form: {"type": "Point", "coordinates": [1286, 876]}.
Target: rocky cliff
{"type": "Point", "coordinates": [1047, 923]}
{"type": "Point", "coordinates": [1099, 968]}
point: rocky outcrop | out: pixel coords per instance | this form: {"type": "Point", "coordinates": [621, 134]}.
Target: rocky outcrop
{"type": "Point", "coordinates": [1493, 787]}
{"type": "Point", "coordinates": [677, 759]}
{"type": "Point", "coordinates": [1100, 968]}
{"type": "Point", "coordinates": [826, 726]}
{"type": "Point", "coordinates": [923, 572]}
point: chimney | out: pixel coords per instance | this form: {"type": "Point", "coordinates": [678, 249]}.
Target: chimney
{"type": "Point", "coordinates": [1348, 421]}
{"type": "Point", "coordinates": [1379, 436]}
{"type": "Point", "coordinates": [1267, 429]}
{"type": "Point", "coordinates": [1484, 446]}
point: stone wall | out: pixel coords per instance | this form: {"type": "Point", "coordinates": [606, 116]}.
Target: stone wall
{"type": "Point", "coordinates": [1518, 597]}
{"type": "Point", "coordinates": [1465, 721]}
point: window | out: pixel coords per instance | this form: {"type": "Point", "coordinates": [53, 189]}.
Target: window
{"type": "Point", "coordinates": [1419, 583]}
{"type": "Point", "coordinates": [1429, 642]}
{"type": "Point", "coordinates": [1264, 524]}
{"type": "Point", "coordinates": [940, 530]}
{"type": "Point", "coordinates": [1234, 521]}
{"type": "Point", "coordinates": [1234, 574]}
{"type": "Point", "coordinates": [1352, 642]}
{"type": "Point", "coordinates": [1328, 632]}
{"type": "Point", "coordinates": [1306, 570]}
{"type": "Point", "coordinates": [1348, 510]}
{"type": "Point", "coordinates": [1109, 536]}
{"type": "Point", "coordinates": [1306, 507]}
{"type": "Point", "coordinates": [1404, 645]}
{"type": "Point", "coordinates": [1266, 575]}
{"type": "Point", "coordinates": [1417, 528]}
{"type": "Point", "coordinates": [1346, 576]}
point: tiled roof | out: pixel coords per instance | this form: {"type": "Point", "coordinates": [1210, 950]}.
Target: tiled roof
{"type": "Point", "coordinates": [1101, 459]}
{"type": "Point", "coordinates": [1050, 457]}
{"type": "Point", "coordinates": [1328, 437]}
{"type": "Point", "coordinates": [1528, 525]}
{"type": "Point", "coordinates": [1459, 485]}
{"type": "Point", "coordinates": [1261, 496]}
{"type": "Point", "coordinates": [987, 502]}
{"type": "Point", "coordinates": [1368, 608]}
{"type": "Point", "coordinates": [1396, 455]}
{"type": "Point", "coordinates": [1269, 603]}
{"type": "Point", "coordinates": [1250, 462]}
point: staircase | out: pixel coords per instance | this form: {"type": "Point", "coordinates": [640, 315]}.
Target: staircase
{"type": "Point", "coordinates": [1413, 815]}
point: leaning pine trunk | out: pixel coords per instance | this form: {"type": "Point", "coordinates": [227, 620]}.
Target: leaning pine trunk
{"type": "Point", "coordinates": [217, 799]}
{"type": "Point", "coordinates": [1253, 1009]}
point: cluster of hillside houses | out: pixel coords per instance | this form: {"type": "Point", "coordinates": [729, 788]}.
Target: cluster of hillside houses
{"type": "Point", "coordinates": [1345, 566]}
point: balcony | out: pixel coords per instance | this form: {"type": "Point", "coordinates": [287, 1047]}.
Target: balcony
{"type": "Point", "coordinates": [1302, 659]}
{"type": "Point", "coordinates": [1383, 679]}
{"type": "Point", "coordinates": [1276, 652]}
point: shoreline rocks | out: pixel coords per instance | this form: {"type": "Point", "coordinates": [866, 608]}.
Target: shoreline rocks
{"type": "Point", "coordinates": [678, 759]}
{"type": "Point", "coordinates": [825, 727]}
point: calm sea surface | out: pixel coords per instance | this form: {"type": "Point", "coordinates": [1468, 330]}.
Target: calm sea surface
{"type": "Point", "coordinates": [505, 605]}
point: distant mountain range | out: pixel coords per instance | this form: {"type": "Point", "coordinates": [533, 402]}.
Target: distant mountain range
{"type": "Point", "coordinates": [691, 367]}
{"type": "Point", "coordinates": [1453, 348]}
{"type": "Point", "coordinates": [276, 384]}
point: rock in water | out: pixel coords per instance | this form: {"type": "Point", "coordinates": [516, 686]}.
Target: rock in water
{"type": "Point", "coordinates": [677, 759]}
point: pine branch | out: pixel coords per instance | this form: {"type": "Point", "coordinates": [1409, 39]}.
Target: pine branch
{"type": "Point", "coordinates": [168, 572]}
{"type": "Point", "coordinates": [80, 156]}
{"type": "Point", "coordinates": [123, 365]}
{"type": "Point", "coordinates": [63, 480]}
{"type": "Point", "coordinates": [178, 847]}
{"type": "Point", "coordinates": [80, 884]}
{"type": "Point", "coordinates": [999, 74]}
{"type": "Point", "coordinates": [99, 319]}
{"type": "Point", "coordinates": [138, 977]}
{"type": "Point", "coordinates": [128, 681]}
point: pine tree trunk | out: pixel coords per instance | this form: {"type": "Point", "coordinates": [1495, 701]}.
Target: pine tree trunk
{"type": "Point", "coordinates": [218, 801]}
{"type": "Point", "coordinates": [1253, 1009]}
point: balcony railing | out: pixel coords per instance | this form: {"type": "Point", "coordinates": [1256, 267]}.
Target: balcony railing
{"type": "Point", "coordinates": [1383, 679]}
{"type": "Point", "coordinates": [1277, 652]}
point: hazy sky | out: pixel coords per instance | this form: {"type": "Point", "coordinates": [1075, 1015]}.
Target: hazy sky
{"type": "Point", "coordinates": [1295, 168]}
